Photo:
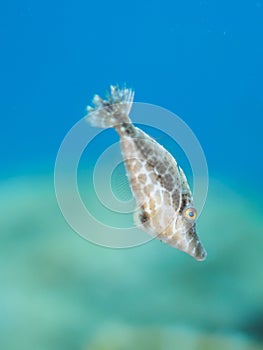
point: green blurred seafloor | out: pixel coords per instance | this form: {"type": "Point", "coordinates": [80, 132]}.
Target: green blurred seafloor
{"type": "Point", "coordinates": [58, 291]}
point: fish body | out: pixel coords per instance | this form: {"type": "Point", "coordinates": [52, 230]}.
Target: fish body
{"type": "Point", "coordinates": [164, 202]}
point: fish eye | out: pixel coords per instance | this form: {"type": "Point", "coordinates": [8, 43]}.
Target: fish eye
{"type": "Point", "coordinates": [190, 214]}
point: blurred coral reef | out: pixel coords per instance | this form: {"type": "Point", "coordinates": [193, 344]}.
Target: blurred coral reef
{"type": "Point", "coordinates": [59, 291]}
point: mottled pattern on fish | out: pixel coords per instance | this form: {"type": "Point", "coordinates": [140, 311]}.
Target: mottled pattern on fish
{"type": "Point", "coordinates": [164, 203]}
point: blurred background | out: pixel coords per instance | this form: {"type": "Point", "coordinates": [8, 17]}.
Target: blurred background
{"type": "Point", "coordinates": [203, 61]}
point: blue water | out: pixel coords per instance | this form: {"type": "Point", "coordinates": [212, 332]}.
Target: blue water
{"type": "Point", "coordinates": [200, 59]}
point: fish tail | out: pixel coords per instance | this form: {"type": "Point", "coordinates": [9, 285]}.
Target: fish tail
{"type": "Point", "coordinates": [113, 111]}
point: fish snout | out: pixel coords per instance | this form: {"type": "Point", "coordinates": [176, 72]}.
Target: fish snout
{"type": "Point", "coordinates": [195, 248]}
{"type": "Point", "coordinates": [200, 252]}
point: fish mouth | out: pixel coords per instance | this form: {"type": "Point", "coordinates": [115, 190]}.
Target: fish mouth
{"type": "Point", "coordinates": [200, 253]}
{"type": "Point", "coordinates": [195, 247]}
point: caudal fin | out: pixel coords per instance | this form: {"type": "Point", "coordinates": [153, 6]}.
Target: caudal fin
{"type": "Point", "coordinates": [112, 111]}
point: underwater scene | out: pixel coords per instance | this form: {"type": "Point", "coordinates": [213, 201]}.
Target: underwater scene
{"type": "Point", "coordinates": [86, 277]}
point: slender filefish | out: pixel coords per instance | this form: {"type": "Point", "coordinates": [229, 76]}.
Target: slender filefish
{"type": "Point", "coordinates": [164, 202]}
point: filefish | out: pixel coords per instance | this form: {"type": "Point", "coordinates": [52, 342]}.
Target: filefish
{"type": "Point", "coordinates": [164, 202]}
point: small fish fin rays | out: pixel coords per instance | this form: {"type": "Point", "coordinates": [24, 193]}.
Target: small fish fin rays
{"type": "Point", "coordinates": [120, 184]}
